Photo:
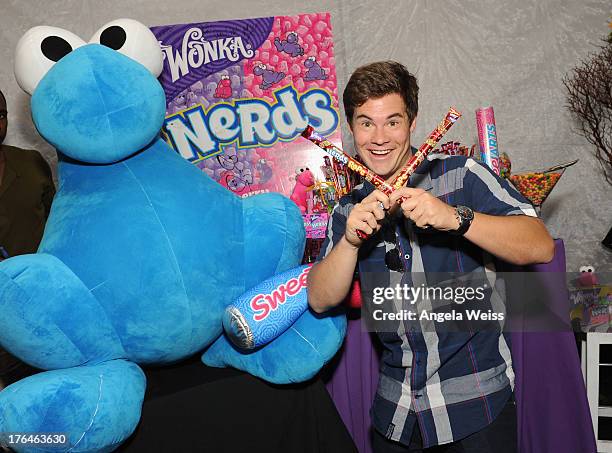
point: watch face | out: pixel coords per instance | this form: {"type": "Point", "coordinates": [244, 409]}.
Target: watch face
{"type": "Point", "coordinates": [465, 212]}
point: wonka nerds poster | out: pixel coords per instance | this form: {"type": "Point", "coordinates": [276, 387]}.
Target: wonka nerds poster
{"type": "Point", "coordinates": [238, 95]}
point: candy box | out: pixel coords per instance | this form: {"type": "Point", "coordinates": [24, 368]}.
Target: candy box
{"type": "Point", "coordinates": [597, 315]}
{"type": "Point", "coordinates": [239, 93]}
{"type": "Point", "coordinates": [584, 296]}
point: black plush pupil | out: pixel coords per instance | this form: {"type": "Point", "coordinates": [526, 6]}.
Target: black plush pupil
{"type": "Point", "coordinates": [113, 37]}
{"type": "Point", "coordinates": [55, 48]}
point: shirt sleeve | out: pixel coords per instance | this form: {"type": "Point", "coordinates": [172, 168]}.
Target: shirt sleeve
{"type": "Point", "coordinates": [489, 194]}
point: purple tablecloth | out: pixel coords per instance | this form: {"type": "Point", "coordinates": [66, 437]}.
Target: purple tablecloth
{"type": "Point", "coordinates": [552, 408]}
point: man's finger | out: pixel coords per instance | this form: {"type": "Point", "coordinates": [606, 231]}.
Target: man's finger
{"type": "Point", "coordinates": [405, 192]}
{"type": "Point", "coordinates": [379, 196]}
{"type": "Point", "coordinates": [374, 207]}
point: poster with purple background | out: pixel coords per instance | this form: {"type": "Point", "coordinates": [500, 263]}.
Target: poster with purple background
{"type": "Point", "coordinates": [240, 92]}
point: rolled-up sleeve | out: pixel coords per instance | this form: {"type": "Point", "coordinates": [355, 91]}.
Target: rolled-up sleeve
{"type": "Point", "coordinates": [489, 194]}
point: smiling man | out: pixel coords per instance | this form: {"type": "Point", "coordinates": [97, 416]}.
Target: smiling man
{"type": "Point", "coordinates": [438, 390]}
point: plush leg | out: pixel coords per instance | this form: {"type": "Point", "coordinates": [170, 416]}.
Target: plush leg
{"type": "Point", "coordinates": [96, 407]}
{"type": "Point", "coordinates": [49, 317]}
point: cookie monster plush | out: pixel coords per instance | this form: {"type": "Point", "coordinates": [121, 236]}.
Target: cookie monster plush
{"type": "Point", "coordinates": [141, 253]}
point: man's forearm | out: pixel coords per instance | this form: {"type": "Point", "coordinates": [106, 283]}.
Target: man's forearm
{"type": "Point", "coordinates": [516, 239]}
{"type": "Point", "coordinates": [329, 281]}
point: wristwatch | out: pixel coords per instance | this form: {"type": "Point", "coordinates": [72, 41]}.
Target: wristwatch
{"type": "Point", "coordinates": [465, 216]}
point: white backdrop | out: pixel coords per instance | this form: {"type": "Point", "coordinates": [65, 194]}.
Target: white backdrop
{"type": "Point", "coordinates": [469, 53]}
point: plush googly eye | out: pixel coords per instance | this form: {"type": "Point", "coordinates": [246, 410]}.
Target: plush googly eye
{"type": "Point", "coordinates": [587, 269]}
{"type": "Point", "coordinates": [134, 40]}
{"type": "Point", "coordinates": [38, 50]}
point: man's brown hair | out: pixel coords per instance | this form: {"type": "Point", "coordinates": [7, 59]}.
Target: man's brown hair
{"type": "Point", "coordinates": [375, 80]}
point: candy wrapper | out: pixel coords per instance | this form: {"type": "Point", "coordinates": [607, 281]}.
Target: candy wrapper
{"type": "Point", "coordinates": [451, 118]}
{"type": "Point", "coordinates": [316, 225]}
{"type": "Point", "coordinates": [347, 160]}
{"type": "Point", "coordinates": [456, 149]}
{"type": "Point", "coordinates": [240, 92]}
{"type": "Point", "coordinates": [487, 138]}
{"type": "Point", "coordinates": [267, 310]}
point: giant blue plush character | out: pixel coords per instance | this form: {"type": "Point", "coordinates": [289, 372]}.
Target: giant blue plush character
{"type": "Point", "coordinates": [140, 255]}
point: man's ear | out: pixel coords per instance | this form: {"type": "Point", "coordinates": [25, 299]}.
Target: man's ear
{"type": "Point", "coordinates": [413, 125]}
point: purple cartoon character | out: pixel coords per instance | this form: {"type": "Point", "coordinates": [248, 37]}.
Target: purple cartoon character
{"type": "Point", "coordinates": [315, 71]}
{"type": "Point", "coordinates": [237, 176]}
{"type": "Point", "coordinates": [194, 94]}
{"type": "Point", "coordinates": [178, 103]}
{"type": "Point", "coordinates": [290, 45]}
{"type": "Point", "coordinates": [268, 76]}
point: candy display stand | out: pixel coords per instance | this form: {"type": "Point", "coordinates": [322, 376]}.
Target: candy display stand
{"type": "Point", "coordinates": [537, 185]}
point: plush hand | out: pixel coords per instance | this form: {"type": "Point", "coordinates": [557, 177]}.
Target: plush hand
{"type": "Point", "coordinates": [295, 356]}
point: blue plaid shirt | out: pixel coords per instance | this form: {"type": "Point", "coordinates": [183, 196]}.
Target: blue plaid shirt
{"type": "Point", "coordinates": [452, 384]}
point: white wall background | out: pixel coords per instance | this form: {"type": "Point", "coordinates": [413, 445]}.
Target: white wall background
{"type": "Point", "coordinates": [470, 53]}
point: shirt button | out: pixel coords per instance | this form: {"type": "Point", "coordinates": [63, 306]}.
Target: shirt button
{"type": "Point", "coordinates": [407, 256]}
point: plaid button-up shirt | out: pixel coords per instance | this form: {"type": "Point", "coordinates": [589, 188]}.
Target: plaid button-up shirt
{"type": "Point", "coordinates": [452, 384]}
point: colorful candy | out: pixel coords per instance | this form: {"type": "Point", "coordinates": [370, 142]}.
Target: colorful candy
{"type": "Point", "coordinates": [535, 186]}
{"type": "Point", "coordinates": [505, 166]}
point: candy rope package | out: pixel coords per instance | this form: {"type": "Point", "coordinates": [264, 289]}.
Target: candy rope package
{"type": "Point", "coordinates": [428, 145]}
{"type": "Point", "coordinates": [436, 135]}
{"type": "Point", "coordinates": [340, 156]}
{"type": "Point", "coordinates": [238, 95]}
{"type": "Point", "coordinates": [487, 138]}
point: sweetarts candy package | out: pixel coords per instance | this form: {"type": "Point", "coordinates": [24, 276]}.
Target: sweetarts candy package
{"type": "Point", "coordinates": [487, 138]}
{"type": "Point", "coordinates": [240, 92]}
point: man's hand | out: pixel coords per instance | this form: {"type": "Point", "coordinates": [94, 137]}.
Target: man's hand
{"type": "Point", "coordinates": [329, 280]}
{"type": "Point", "coordinates": [366, 217]}
{"type": "Point", "coordinates": [424, 209]}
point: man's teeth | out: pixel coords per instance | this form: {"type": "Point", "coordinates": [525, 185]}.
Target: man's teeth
{"type": "Point", "coordinates": [380, 152]}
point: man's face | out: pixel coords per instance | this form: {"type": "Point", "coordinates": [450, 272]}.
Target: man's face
{"type": "Point", "coordinates": [3, 119]}
{"type": "Point", "coordinates": [381, 132]}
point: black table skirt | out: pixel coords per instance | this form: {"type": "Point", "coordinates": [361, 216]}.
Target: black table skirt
{"type": "Point", "coordinates": [193, 408]}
